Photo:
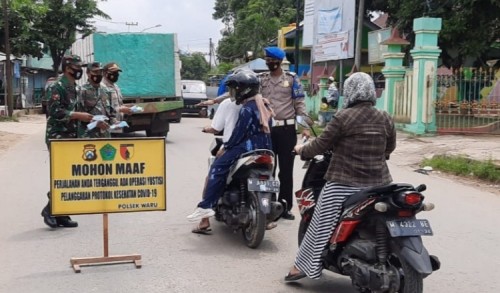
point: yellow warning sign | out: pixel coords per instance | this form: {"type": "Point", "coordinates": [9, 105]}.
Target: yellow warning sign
{"type": "Point", "coordinates": [107, 175]}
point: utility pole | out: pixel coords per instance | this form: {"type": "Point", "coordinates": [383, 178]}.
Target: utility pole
{"type": "Point", "coordinates": [8, 65]}
{"type": "Point", "coordinates": [210, 54]}
{"type": "Point", "coordinates": [359, 30]}
{"type": "Point", "coordinates": [128, 24]}
{"type": "Point", "coordinates": [296, 53]}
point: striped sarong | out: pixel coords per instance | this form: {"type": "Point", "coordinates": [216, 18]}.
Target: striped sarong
{"type": "Point", "coordinates": [325, 218]}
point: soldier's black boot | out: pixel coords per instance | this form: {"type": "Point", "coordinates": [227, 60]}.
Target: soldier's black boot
{"type": "Point", "coordinates": [65, 221]}
{"type": "Point", "coordinates": [47, 217]}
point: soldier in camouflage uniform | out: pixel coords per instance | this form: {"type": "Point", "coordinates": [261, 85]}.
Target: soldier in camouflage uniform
{"type": "Point", "coordinates": [96, 100]}
{"type": "Point", "coordinates": [62, 120]}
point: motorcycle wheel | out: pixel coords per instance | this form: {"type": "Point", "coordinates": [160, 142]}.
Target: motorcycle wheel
{"type": "Point", "coordinates": [254, 232]}
{"type": "Point", "coordinates": [302, 230]}
{"type": "Point", "coordinates": [411, 280]}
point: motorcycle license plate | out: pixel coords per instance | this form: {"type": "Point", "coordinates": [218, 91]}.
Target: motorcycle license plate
{"type": "Point", "coordinates": [263, 185]}
{"type": "Point", "coordinates": [409, 227]}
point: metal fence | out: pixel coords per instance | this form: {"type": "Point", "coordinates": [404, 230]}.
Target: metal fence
{"type": "Point", "coordinates": [468, 101]}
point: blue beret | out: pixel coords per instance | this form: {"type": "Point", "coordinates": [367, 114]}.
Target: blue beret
{"type": "Point", "coordinates": [274, 52]}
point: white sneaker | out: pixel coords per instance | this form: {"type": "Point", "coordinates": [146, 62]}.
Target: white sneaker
{"type": "Point", "coordinates": [199, 214]}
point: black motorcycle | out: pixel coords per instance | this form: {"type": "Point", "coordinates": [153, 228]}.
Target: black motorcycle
{"type": "Point", "coordinates": [249, 201]}
{"type": "Point", "coordinates": [378, 239]}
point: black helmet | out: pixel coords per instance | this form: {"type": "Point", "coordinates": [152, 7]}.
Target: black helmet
{"type": "Point", "coordinates": [245, 83]}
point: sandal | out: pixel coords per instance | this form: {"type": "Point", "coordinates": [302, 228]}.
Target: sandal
{"type": "Point", "coordinates": [271, 225]}
{"type": "Point", "coordinates": [202, 230]}
{"type": "Point", "coordinates": [294, 277]}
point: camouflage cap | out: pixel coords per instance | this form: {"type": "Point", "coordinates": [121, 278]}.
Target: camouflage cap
{"type": "Point", "coordinates": [72, 60]}
{"type": "Point", "coordinates": [112, 67]}
{"type": "Point", "coordinates": [94, 66]}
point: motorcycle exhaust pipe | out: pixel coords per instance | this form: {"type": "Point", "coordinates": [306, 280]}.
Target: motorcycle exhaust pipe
{"type": "Point", "coordinates": [276, 211]}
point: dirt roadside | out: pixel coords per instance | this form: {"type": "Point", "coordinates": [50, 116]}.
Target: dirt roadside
{"type": "Point", "coordinates": [410, 150]}
{"type": "Point", "coordinates": [8, 139]}
{"type": "Point", "coordinates": [13, 132]}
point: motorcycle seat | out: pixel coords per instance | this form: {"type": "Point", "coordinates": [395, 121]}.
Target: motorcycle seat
{"type": "Point", "coordinates": [374, 191]}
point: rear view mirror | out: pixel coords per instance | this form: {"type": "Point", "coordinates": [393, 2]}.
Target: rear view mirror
{"type": "Point", "coordinates": [305, 121]}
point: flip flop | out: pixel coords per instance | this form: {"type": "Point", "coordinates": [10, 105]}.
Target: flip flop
{"type": "Point", "coordinates": [294, 277]}
{"type": "Point", "coordinates": [202, 231]}
{"type": "Point", "coordinates": [271, 225]}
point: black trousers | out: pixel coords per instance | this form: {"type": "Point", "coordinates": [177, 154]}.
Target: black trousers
{"type": "Point", "coordinates": [284, 138]}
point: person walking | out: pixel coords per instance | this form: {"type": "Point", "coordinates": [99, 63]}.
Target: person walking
{"type": "Point", "coordinates": [284, 92]}
{"type": "Point", "coordinates": [62, 121]}
{"type": "Point", "coordinates": [362, 139]}
{"type": "Point", "coordinates": [96, 100]}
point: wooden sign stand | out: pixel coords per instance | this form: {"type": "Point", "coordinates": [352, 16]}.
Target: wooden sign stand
{"type": "Point", "coordinates": [106, 259]}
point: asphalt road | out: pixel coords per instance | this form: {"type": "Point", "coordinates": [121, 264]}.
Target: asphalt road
{"type": "Point", "coordinates": [34, 258]}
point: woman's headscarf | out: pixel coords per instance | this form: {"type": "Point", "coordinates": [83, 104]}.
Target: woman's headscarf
{"type": "Point", "coordinates": [359, 87]}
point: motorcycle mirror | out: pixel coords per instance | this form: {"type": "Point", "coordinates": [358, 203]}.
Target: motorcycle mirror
{"type": "Point", "coordinates": [305, 121]}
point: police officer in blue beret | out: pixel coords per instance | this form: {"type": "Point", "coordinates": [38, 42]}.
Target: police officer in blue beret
{"type": "Point", "coordinates": [284, 91]}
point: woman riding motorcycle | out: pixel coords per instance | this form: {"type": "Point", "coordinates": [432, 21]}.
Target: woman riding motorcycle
{"type": "Point", "coordinates": [251, 132]}
{"type": "Point", "coordinates": [361, 138]}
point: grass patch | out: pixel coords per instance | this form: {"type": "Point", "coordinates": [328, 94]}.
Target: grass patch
{"type": "Point", "coordinates": [8, 119]}
{"type": "Point", "coordinates": [462, 166]}
{"type": "Point", "coordinates": [318, 130]}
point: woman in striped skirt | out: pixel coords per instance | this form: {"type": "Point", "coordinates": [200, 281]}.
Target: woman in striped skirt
{"type": "Point", "coordinates": [362, 139]}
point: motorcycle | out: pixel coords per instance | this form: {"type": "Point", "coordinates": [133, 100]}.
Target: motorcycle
{"type": "Point", "coordinates": [249, 201]}
{"type": "Point", "coordinates": [377, 242]}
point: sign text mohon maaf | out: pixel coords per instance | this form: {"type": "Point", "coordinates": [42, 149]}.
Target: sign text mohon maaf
{"type": "Point", "coordinates": [107, 176]}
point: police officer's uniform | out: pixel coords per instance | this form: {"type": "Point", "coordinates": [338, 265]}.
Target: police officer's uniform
{"type": "Point", "coordinates": [286, 96]}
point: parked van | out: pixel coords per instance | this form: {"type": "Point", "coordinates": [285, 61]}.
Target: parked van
{"type": "Point", "coordinates": [194, 92]}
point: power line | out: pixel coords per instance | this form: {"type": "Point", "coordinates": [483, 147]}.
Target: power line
{"type": "Point", "coordinates": [194, 40]}
{"type": "Point", "coordinates": [109, 21]}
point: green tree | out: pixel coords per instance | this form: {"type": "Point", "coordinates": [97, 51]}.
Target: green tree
{"type": "Point", "coordinates": [194, 66]}
{"type": "Point", "coordinates": [470, 27]}
{"type": "Point", "coordinates": [24, 40]}
{"type": "Point", "coordinates": [251, 24]}
{"type": "Point", "coordinates": [64, 19]}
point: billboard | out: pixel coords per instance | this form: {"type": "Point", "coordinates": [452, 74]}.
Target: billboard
{"type": "Point", "coordinates": [308, 28]}
{"type": "Point", "coordinates": [375, 49]}
{"type": "Point", "coordinates": [333, 30]}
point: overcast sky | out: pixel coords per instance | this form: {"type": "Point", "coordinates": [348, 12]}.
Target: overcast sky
{"type": "Point", "coordinates": [190, 19]}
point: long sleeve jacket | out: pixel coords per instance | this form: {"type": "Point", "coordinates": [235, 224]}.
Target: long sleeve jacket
{"type": "Point", "coordinates": [248, 132]}
{"type": "Point", "coordinates": [362, 138]}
